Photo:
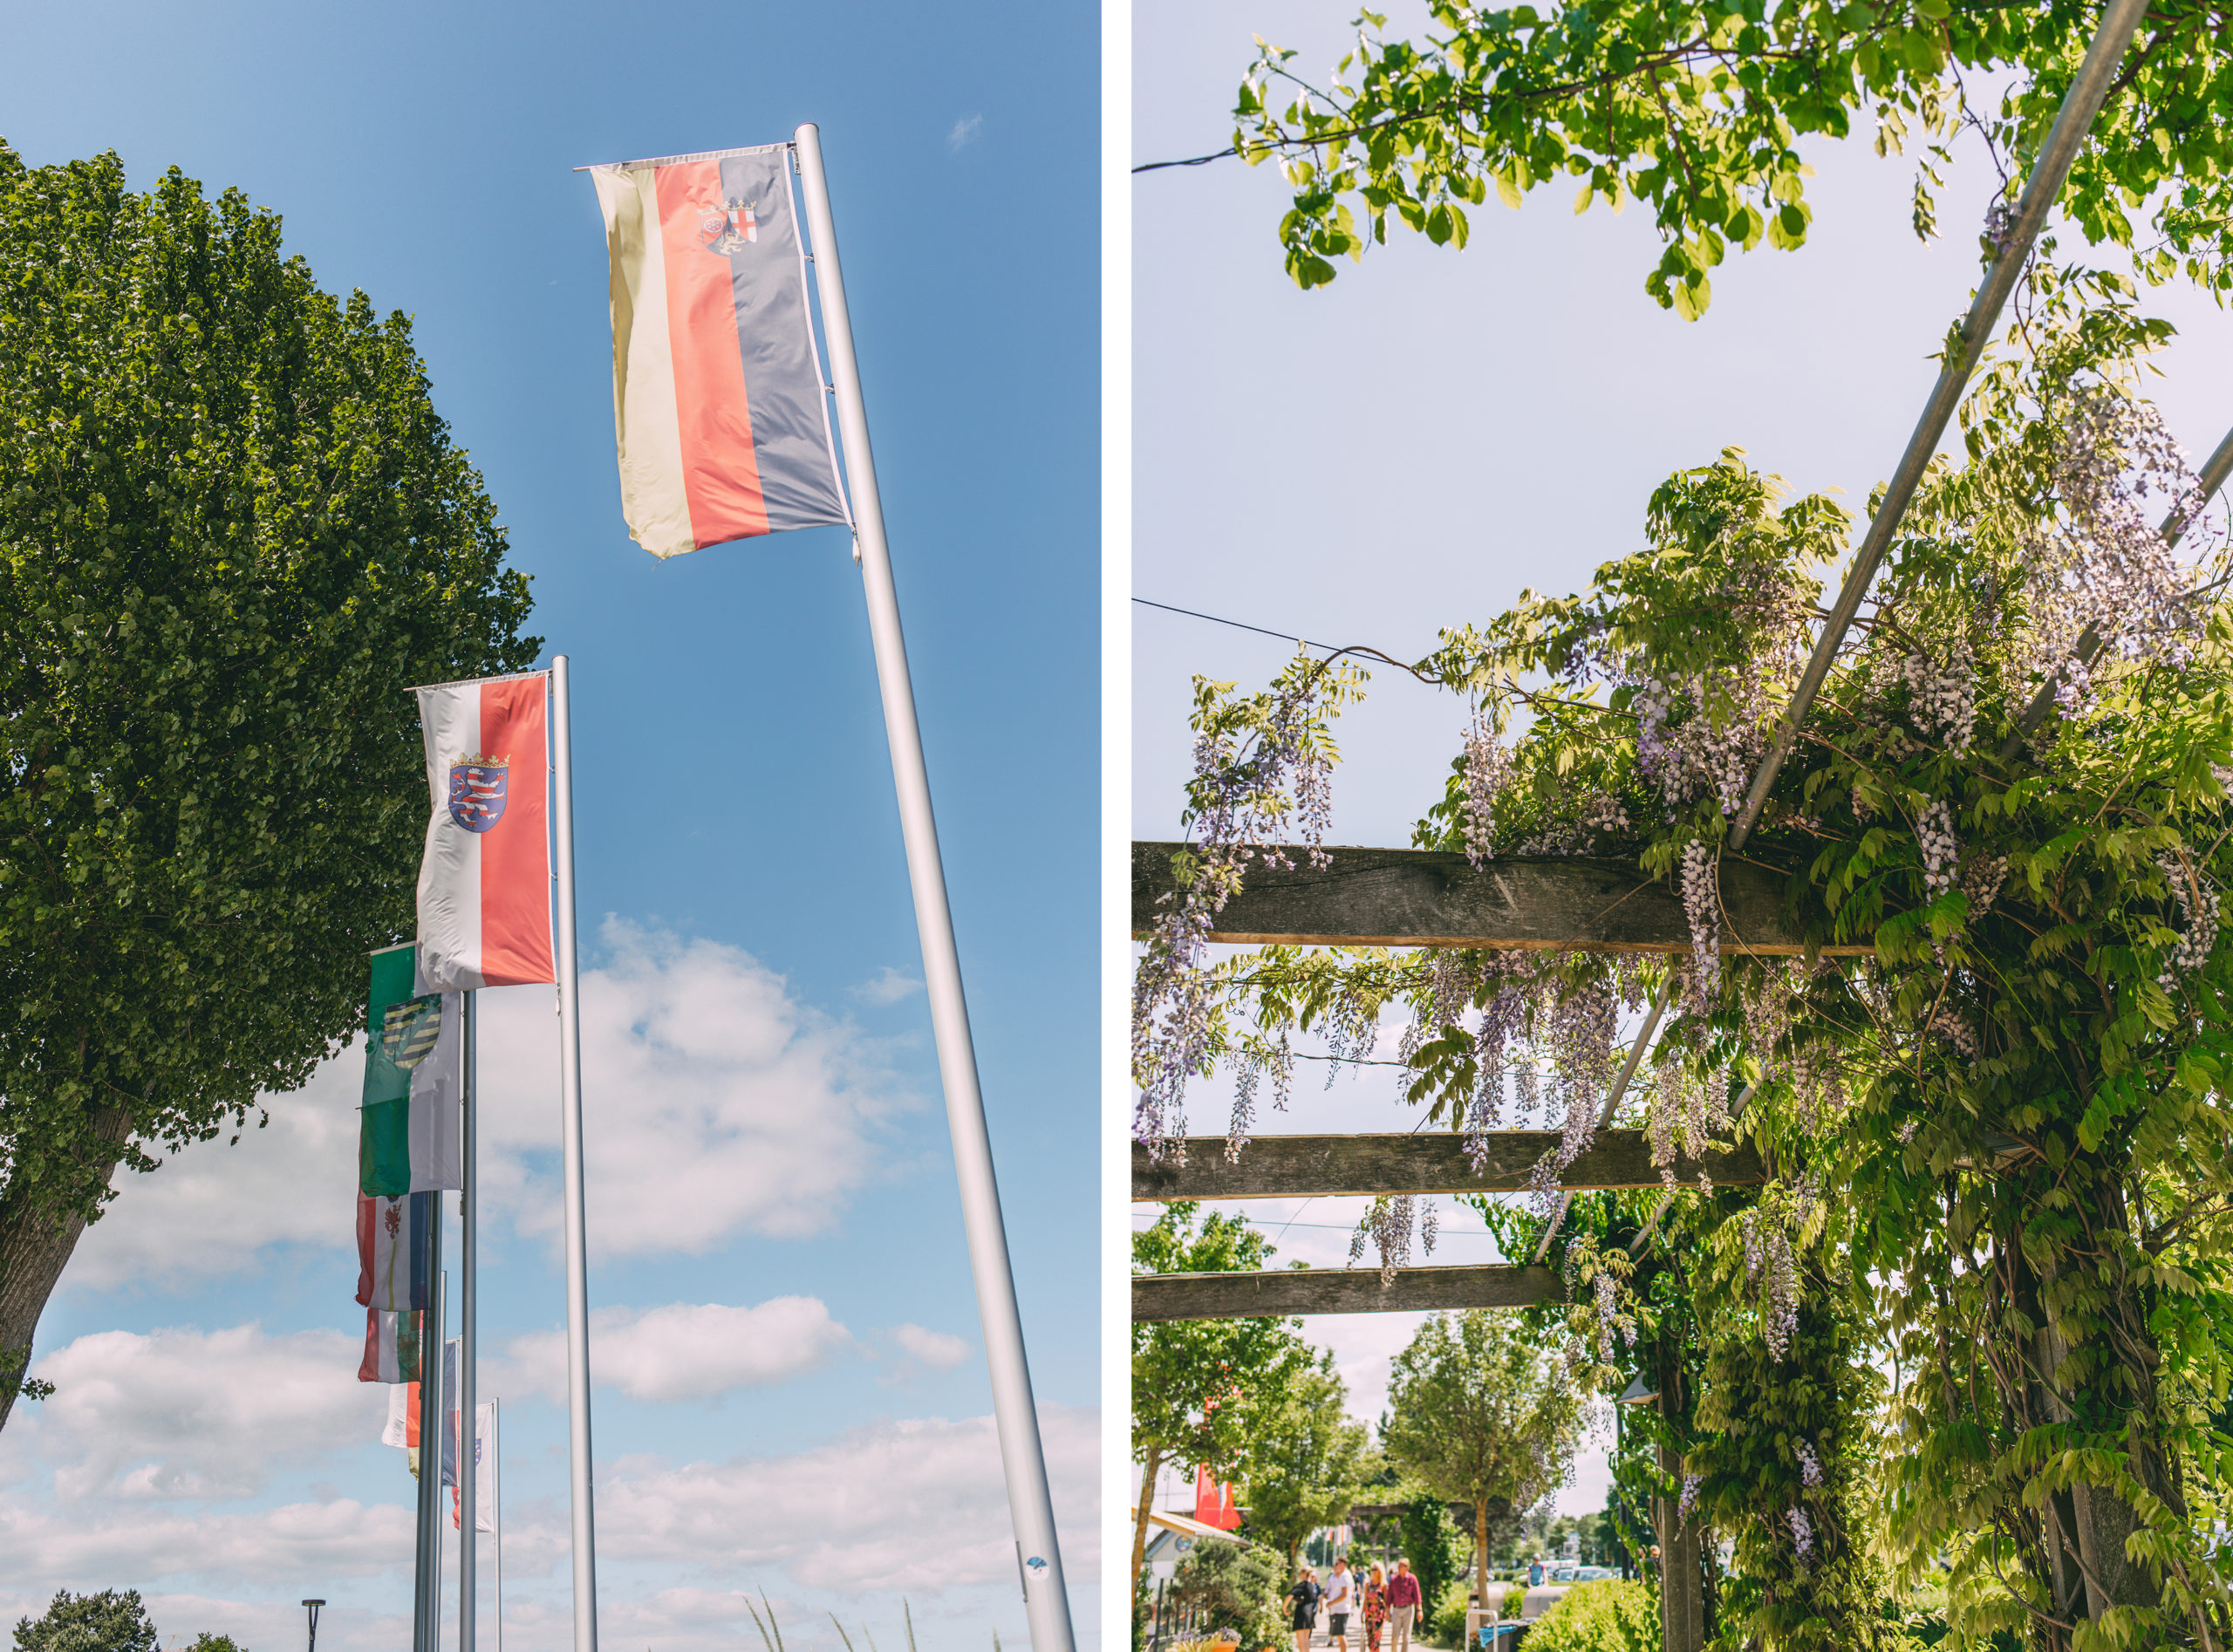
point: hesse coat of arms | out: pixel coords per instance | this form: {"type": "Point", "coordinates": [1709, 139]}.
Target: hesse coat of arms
{"type": "Point", "coordinates": [477, 791]}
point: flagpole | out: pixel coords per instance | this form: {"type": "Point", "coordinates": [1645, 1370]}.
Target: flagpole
{"type": "Point", "coordinates": [1047, 1605]}
{"type": "Point", "coordinates": [496, 1512]}
{"type": "Point", "coordinates": [427, 1574]}
{"type": "Point", "coordinates": [467, 1543]}
{"type": "Point", "coordinates": [569, 1096]}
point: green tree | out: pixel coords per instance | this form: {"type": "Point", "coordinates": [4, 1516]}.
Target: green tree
{"type": "Point", "coordinates": [1236, 1586]}
{"type": "Point", "coordinates": [206, 1641]}
{"type": "Point", "coordinates": [112, 1621]}
{"type": "Point", "coordinates": [1196, 1384]}
{"type": "Point", "coordinates": [1480, 1416]}
{"type": "Point", "coordinates": [232, 532]}
{"type": "Point", "coordinates": [1307, 1461]}
{"type": "Point", "coordinates": [1698, 108]}
{"type": "Point", "coordinates": [1433, 1545]}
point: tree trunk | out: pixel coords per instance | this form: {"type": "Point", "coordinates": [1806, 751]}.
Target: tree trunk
{"type": "Point", "coordinates": [34, 1245]}
{"type": "Point", "coordinates": [1154, 1465]}
{"type": "Point", "coordinates": [1481, 1554]}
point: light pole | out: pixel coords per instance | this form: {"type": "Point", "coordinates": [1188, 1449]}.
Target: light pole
{"type": "Point", "coordinates": [312, 1607]}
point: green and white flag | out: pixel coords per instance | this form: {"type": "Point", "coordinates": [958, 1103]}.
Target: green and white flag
{"type": "Point", "coordinates": [410, 1140]}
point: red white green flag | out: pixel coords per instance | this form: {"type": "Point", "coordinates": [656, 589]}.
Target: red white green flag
{"type": "Point", "coordinates": [391, 1347]}
{"type": "Point", "coordinates": [717, 394]}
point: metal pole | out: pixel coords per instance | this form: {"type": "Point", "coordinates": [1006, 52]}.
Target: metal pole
{"type": "Point", "coordinates": [426, 1578]}
{"type": "Point", "coordinates": [431, 1388]}
{"type": "Point", "coordinates": [570, 1100]}
{"type": "Point", "coordinates": [496, 1513]}
{"type": "Point", "coordinates": [1047, 1605]}
{"type": "Point", "coordinates": [469, 1434]}
{"type": "Point", "coordinates": [2080, 105]}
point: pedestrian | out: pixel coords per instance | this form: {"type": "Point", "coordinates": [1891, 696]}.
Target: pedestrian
{"type": "Point", "coordinates": [1304, 1599]}
{"type": "Point", "coordinates": [1341, 1595]}
{"type": "Point", "coordinates": [1402, 1607]}
{"type": "Point", "coordinates": [1375, 1607]}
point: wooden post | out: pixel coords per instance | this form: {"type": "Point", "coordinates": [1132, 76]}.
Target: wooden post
{"type": "Point", "coordinates": [1369, 1165]}
{"type": "Point", "coordinates": [1420, 897]}
{"type": "Point", "coordinates": [1682, 1604]}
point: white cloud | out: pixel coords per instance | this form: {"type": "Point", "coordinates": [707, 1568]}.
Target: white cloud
{"type": "Point", "coordinates": [684, 1351]}
{"type": "Point", "coordinates": [713, 1101]}
{"type": "Point", "coordinates": [915, 1506]}
{"type": "Point", "coordinates": [964, 132]}
{"type": "Point", "coordinates": [933, 1348]}
{"type": "Point", "coordinates": [891, 987]}
{"type": "Point", "coordinates": [40, 1546]}
{"type": "Point", "coordinates": [211, 1207]}
{"type": "Point", "coordinates": [201, 1414]}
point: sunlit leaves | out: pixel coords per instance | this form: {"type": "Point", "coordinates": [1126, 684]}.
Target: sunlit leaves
{"type": "Point", "coordinates": [1697, 109]}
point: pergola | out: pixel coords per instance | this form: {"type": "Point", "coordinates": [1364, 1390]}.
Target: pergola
{"type": "Point", "coordinates": [1413, 898]}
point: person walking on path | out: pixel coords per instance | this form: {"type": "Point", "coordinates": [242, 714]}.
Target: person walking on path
{"type": "Point", "coordinates": [1403, 1606]}
{"type": "Point", "coordinates": [1304, 1599]}
{"type": "Point", "coordinates": [1341, 1596]}
{"type": "Point", "coordinates": [1374, 1606]}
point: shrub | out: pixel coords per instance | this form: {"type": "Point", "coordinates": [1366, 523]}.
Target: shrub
{"type": "Point", "coordinates": [1445, 1624]}
{"type": "Point", "coordinates": [1606, 1616]}
{"type": "Point", "coordinates": [1236, 1587]}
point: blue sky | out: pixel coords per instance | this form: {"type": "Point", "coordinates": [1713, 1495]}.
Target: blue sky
{"type": "Point", "coordinates": [760, 1070]}
{"type": "Point", "coordinates": [1411, 447]}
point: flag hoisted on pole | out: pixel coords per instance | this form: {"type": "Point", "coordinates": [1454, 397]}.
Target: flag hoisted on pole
{"type": "Point", "coordinates": [717, 405]}
{"type": "Point", "coordinates": [408, 1141]}
{"type": "Point", "coordinates": [484, 883]}
{"type": "Point", "coordinates": [717, 396]}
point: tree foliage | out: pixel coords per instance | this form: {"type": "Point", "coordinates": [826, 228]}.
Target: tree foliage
{"type": "Point", "coordinates": [1199, 1385]}
{"type": "Point", "coordinates": [112, 1621]}
{"type": "Point", "coordinates": [1478, 1412]}
{"type": "Point", "coordinates": [233, 531]}
{"type": "Point", "coordinates": [1307, 1462]}
{"type": "Point", "coordinates": [1700, 111]}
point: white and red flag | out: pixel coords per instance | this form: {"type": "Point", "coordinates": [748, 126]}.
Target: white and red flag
{"type": "Point", "coordinates": [717, 393]}
{"type": "Point", "coordinates": [484, 886]}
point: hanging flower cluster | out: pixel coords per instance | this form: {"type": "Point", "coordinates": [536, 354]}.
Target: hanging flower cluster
{"type": "Point", "coordinates": [2104, 564]}
{"type": "Point", "coordinates": [2198, 918]}
{"type": "Point", "coordinates": [1387, 1227]}
{"type": "Point", "coordinates": [1943, 699]}
{"type": "Point", "coordinates": [1263, 768]}
{"type": "Point", "coordinates": [1488, 770]}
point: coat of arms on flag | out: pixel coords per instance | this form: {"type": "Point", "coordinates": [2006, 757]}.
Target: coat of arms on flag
{"type": "Point", "coordinates": [729, 228]}
{"type": "Point", "coordinates": [408, 1029]}
{"type": "Point", "coordinates": [477, 789]}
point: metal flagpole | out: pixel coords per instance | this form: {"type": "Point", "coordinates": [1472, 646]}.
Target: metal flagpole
{"type": "Point", "coordinates": [570, 1094]}
{"type": "Point", "coordinates": [1046, 1604]}
{"type": "Point", "coordinates": [467, 1545]}
{"type": "Point", "coordinates": [496, 1513]}
{"type": "Point", "coordinates": [427, 1578]}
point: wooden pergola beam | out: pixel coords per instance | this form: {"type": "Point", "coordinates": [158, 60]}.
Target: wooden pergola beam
{"type": "Point", "coordinates": [1337, 1290]}
{"type": "Point", "coordinates": [1419, 898]}
{"type": "Point", "coordinates": [1333, 1166]}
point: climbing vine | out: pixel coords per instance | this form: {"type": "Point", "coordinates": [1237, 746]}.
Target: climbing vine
{"type": "Point", "coordinates": [1989, 1089]}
